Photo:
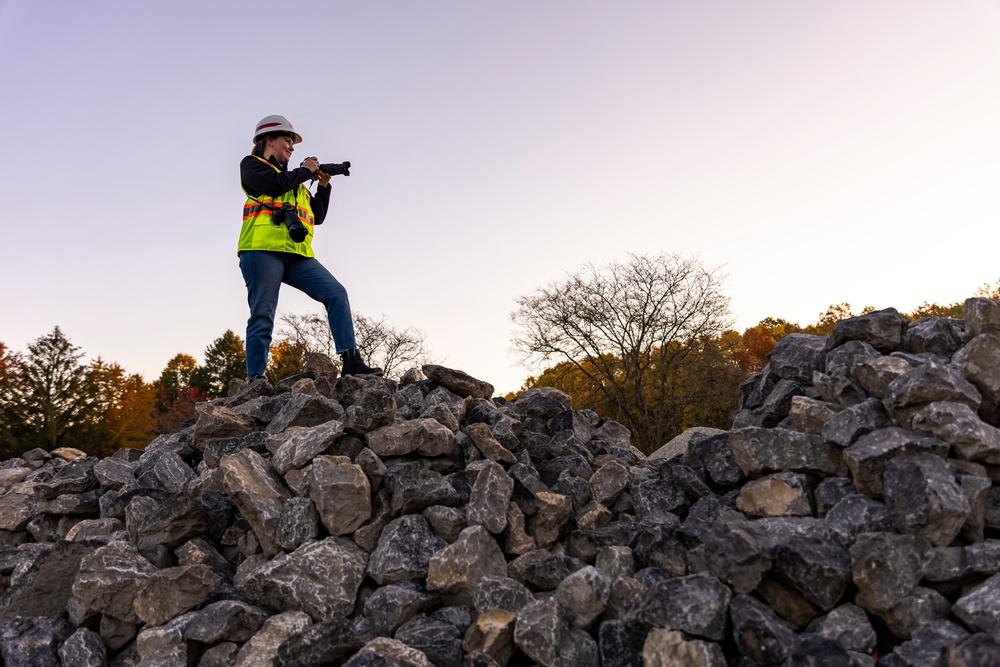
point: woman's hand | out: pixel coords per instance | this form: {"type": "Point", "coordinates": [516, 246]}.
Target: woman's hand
{"type": "Point", "coordinates": [324, 178]}
{"type": "Point", "coordinates": [312, 164]}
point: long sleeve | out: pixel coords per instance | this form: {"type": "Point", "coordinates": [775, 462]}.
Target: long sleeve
{"type": "Point", "coordinates": [258, 178]}
{"type": "Point", "coordinates": [321, 203]}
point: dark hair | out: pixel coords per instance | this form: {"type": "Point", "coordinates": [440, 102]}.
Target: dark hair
{"type": "Point", "coordinates": [261, 142]}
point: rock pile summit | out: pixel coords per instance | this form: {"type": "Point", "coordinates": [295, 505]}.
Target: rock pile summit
{"type": "Point", "coordinates": [848, 517]}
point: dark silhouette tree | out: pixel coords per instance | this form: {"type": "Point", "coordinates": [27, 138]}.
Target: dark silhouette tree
{"type": "Point", "coordinates": [225, 359]}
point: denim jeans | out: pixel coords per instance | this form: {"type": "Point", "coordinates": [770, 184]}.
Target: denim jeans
{"type": "Point", "coordinates": [263, 272]}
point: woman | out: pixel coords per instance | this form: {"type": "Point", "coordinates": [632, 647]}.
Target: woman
{"type": "Point", "coordinates": [276, 244]}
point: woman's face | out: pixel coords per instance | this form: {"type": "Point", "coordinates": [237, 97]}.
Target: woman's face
{"type": "Point", "coordinates": [280, 147]}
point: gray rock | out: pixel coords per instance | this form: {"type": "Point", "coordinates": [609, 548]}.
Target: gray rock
{"type": "Point", "coordinates": [657, 497]}
{"type": "Point", "coordinates": [544, 635]}
{"type": "Point", "coordinates": [490, 496]}
{"type": "Point", "coordinates": [851, 423]}
{"type": "Point", "coordinates": [220, 655]}
{"type": "Point", "coordinates": [734, 554]}
{"type": "Point", "coordinates": [583, 596]}
{"type": "Point", "coordinates": [849, 625]}
{"type": "Point", "coordinates": [501, 592]}
{"type": "Point", "coordinates": [935, 335]}
{"type": "Point", "coordinates": [886, 567]}
{"type": "Point", "coordinates": [882, 329]}
{"type": "Point", "coordinates": [697, 604]}
{"type": "Point", "coordinates": [796, 356]}
{"type": "Point", "coordinates": [84, 648]}
{"type": "Point", "coordinates": [415, 488]}
{"type": "Point", "coordinates": [447, 522]}
{"type": "Point", "coordinates": [300, 445]}
{"type": "Point", "coordinates": [868, 457]}
{"type": "Point", "coordinates": [979, 650]}
{"type": "Point", "coordinates": [714, 455]}
{"type": "Point", "coordinates": [547, 523]}
{"type": "Point", "coordinates": [456, 569]}
{"type": "Point", "coordinates": [111, 578]}
{"type": "Point", "coordinates": [427, 437]}
{"type": "Point", "coordinates": [621, 645]}
{"type": "Point", "coordinates": [16, 510]}
{"type": "Point", "coordinates": [225, 621]}
{"type": "Point", "coordinates": [45, 581]}
{"type": "Point", "coordinates": [819, 569]}
{"type": "Point", "coordinates": [371, 407]}
{"type": "Point", "coordinates": [391, 606]}
{"type": "Point", "coordinates": [323, 643]}
{"type": "Point", "coordinates": [164, 645]}
{"type": "Point", "coordinates": [341, 492]}
{"type": "Point", "coordinates": [858, 514]}
{"type": "Point", "coordinates": [922, 604]}
{"type": "Point", "coordinates": [114, 473]}
{"type": "Point", "coordinates": [298, 523]}
{"type": "Point", "coordinates": [876, 373]}
{"type": "Point", "coordinates": [928, 383]}
{"type": "Point", "coordinates": [929, 640]}
{"type": "Point", "coordinates": [679, 445]}
{"type": "Point", "coordinates": [980, 609]}
{"type": "Point", "coordinates": [980, 364]}
{"type": "Point", "coordinates": [812, 650]}
{"type": "Point", "coordinates": [170, 592]}
{"type": "Point", "coordinates": [457, 381]}
{"type": "Point", "coordinates": [760, 635]}
{"type": "Point", "coordinates": [761, 451]}
{"type": "Point", "coordinates": [488, 445]}
{"type": "Point", "coordinates": [924, 498]}
{"type": "Point", "coordinates": [441, 642]}
{"type": "Point", "coordinates": [259, 494]}
{"type": "Point", "coordinates": [305, 410]}
{"type": "Point", "coordinates": [810, 415]}
{"type": "Point", "coordinates": [218, 421]}
{"type": "Point", "coordinates": [320, 578]}
{"type": "Point", "coordinates": [116, 633]}
{"type": "Point", "coordinates": [982, 316]}
{"type": "Point", "coordinates": [404, 550]}
{"type": "Point", "coordinates": [489, 642]}
{"type": "Point", "coordinates": [958, 425]}
{"type": "Point", "coordinates": [32, 641]}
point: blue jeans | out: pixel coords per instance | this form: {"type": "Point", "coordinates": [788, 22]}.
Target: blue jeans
{"type": "Point", "coordinates": [263, 272]}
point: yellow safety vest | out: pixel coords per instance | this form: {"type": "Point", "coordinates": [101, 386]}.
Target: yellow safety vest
{"type": "Point", "coordinates": [261, 233]}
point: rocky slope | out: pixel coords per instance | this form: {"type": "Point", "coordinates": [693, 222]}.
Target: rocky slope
{"type": "Point", "coordinates": [851, 512]}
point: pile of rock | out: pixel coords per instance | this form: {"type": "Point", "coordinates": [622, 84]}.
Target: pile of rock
{"type": "Point", "coordinates": [359, 521]}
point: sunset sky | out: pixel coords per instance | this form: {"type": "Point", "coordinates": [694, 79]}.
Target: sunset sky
{"type": "Point", "coordinates": [818, 152]}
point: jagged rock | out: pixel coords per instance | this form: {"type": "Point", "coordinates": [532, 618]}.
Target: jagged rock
{"type": "Point", "coordinates": [958, 425]}
{"type": "Point", "coordinates": [74, 477]}
{"type": "Point", "coordinates": [583, 596]}
{"type": "Point", "coordinates": [547, 523]}
{"type": "Point", "coordinates": [427, 437]}
{"type": "Point", "coordinates": [111, 578]}
{"type": "Point", "coordinates": [218, 421]}
{"type": "Point", "coordinates": [787, 602]}
{"type": "Point", "coordinates": [697, 604]}
{"type": "Point", "coordinates": [457, 381]}
{"type": "Point", "coordinates": [979, 650]}
{"type": "Point", "coordinates": [44, 586]}
{"type": "Point", "coordinates": [300, 445]}
{"type": "Point", "coordinates": [621, 644]}
{"type": "Point", "coordinates": [849, 424]}
{"type": "Point", "coordinates": [259, 494]}
{"type": "Point", "coordinates": [817, 651]}
{"type": "Point", "coordinates": [341, 493]}
{"type": "Point", "coordinates": [849, 625]}
{"type": "Point", "coordinates": [298, 523]}
{"type": "Point", "coordinates": [781, 494]}
{"type": "Point", "coordinates": [882, 329]}
{"type": "Point", "coordinates": [490, 496]}
{"type": "Point", "coordinates": [544, 635]}
{"type": "Point", "coordinates": [733, 553]}
{"type": "Point", "coordinates": [796, 356]}
{"type": "Point", "coordinates": [447, 522]}
{"type": "Point", "coordinates": [875, 374]}
{"type": "Point", "coordinates": [84, 648]}
{"type": "Point", "coordinates": [305, 410]}
{"type": "Point", "coordinates": [935, 335]}
{"type": "Point", "coordinates": [371, 407]}
{"type": "Point", "coordinates": [488, 445]}
{"type": "Point", "coordinates": [922, 604]}
{"type": "Point", "coordinates": [868, 457]}
{"type": "Point", "coordinates": [760, 635]}
{"type": "Point", "coordinates": [818, 569]}
{"type": "Point", "coordinates": [929, 640]}
{"type": "Point", "coordinates": [164, 645]}
{"type": "Point", "coordinates": [32, 641]}
{"type": "Point", "coordinates": [858, 514]}
{"type": "Point", "coordinates": [810, 415]}
{"type": "Point", "coordinates": [391, 606]}
{"type": "Point", "coordinates": [666, 648]}
{"type": "Point", "coordinates": [320, 578]}
{"type": "Point", "coordinates": [225, 621]}
{"type": "Point", "coordinates": [762, 451]}
{"type": "Point", "coordinates": [116, 633]}
{"type": "Point", "coordinates": [415, 488]}
{"type": "Point", "coordinates": [220, 655]}
{"type": "Point", "coordinates": [383, 651]}
{"type": "Point", "coordinates": [169, 593]}
{"type": "Point", "coordinates": [262, 649]}
{"type": "Point", "coordinates": [980, 609]}
{"type": "Point", "coordinates": [404, 550]}
{"type": "Point", "coordinates": [456, 569]}
{"type": "Point", "coordinates": [886, 567]}
{"type": "Point", "coordinates": [924, 498]}
{"type": "Point", "coordinates": [982, 316]}
{"type": "Point", "coordinates": [492, 634]}
{"type": "Point", "coordinates": [16, 511]}
{"type": "Point", "coordinates": [928, 383]}
{"type": "Point", "coordinates": [441, 642]}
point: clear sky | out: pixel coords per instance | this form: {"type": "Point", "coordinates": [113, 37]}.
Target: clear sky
{"type": "Point", "coordinates": [819, 152]}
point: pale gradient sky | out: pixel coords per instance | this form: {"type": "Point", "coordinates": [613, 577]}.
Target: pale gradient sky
{"type": "Point", "coordinates": [821, 152]}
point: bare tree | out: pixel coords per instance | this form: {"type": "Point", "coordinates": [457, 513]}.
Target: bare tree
{"type": "Point", "coordinates": [382, 344]}
{"type": "Point", "coordinates": [628, 327]}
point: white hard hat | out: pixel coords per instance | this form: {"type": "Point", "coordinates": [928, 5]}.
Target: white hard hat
{"type": "Point", "coordinates": [269, 124]}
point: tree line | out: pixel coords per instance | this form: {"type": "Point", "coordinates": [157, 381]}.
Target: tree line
{"type": "Point", "coordinates": [649, 342]}
{"type": "Point", "coordinates": [50, 397]}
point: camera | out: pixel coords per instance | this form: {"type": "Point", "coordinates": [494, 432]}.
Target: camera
{"type": "Point", "coordinates": [288, 215]}
{"type": "Point", "coordinates": [335, 169]}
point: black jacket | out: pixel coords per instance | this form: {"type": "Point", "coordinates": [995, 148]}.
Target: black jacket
{"type": "Point", "coordinates": [259, 179]}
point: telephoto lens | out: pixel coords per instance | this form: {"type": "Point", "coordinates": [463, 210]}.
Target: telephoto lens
{"type": "Point", "coordinates": [335, 169]}
{"type": "Point", "coordinates": [289, 216]}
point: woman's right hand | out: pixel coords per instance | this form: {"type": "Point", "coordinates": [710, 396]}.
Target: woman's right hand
{"type": "Point", "coordinates": [312, 164]}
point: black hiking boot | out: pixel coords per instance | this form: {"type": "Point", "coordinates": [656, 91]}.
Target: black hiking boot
{"type": "Point", "coordinates": [353, 364]}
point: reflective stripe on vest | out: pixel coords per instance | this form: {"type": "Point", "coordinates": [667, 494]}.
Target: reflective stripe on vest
{"type": "Point", "coordinates": [259, 231]}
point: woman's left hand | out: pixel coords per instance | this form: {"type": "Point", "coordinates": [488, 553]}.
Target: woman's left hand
{"type": "Point", "coordinates": [324, 179]}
